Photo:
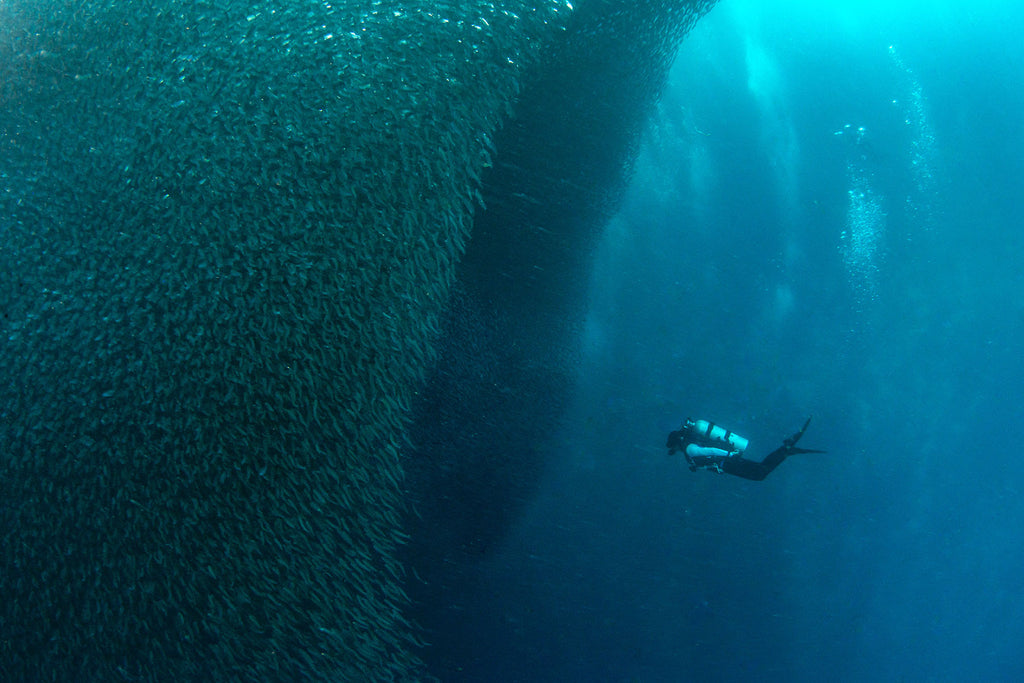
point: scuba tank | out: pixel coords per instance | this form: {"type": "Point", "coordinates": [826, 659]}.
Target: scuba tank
{"type": "Point", "coordinates": [715, 435]}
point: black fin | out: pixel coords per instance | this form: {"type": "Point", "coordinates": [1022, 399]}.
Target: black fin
{"type": "Point", "coordinates": [793, 449]}
{"type": "Point", "coordinates": [791, 441]}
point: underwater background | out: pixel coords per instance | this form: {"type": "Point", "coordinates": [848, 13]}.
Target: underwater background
{"type": "Point", "coordinates": [340, 341]}
{"type": "Point", "coordinates": [825, 219]}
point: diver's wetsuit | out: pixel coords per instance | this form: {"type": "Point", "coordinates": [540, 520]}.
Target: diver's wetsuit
{"type": "Point", "coordinates": [720, 460]}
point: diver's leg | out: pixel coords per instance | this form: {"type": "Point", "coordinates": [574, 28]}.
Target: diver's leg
{"type": "Point", "coordinates": [775, 458]}
{"type": "Point", "coordinates": [756, 471]}
{"type": "Point", "coordinates": [747, 469]}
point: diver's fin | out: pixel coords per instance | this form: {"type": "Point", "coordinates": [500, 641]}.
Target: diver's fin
{"type": "Point", "coordinates": [793, 449]}
{"type": "Point", "coordinates": [791, 441]}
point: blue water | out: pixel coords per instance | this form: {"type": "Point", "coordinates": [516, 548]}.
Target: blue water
{"type": "Point", "coordinates": [825, 219]}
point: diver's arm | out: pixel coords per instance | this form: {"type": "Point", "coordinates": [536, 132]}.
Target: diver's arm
{"type": "Point", "coordinates": [695, 451]}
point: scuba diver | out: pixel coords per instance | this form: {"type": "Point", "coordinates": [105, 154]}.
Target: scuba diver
{"type": "Point", "coordinates": [710, 447]}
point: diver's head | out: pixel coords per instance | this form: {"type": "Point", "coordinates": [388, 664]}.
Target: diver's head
{"type": "Point", "coordinates": [675, 441]}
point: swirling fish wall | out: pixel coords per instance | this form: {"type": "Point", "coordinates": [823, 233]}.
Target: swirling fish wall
{"type": "Point", "coordinates": [491, 410]}
{"type": "Point", "coordinates": [228, 234]}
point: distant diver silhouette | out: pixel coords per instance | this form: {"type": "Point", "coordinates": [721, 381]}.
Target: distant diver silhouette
{"type": "Point", "coordinates": [708, 446]}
